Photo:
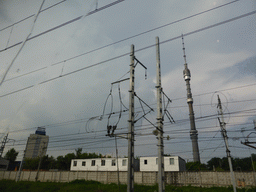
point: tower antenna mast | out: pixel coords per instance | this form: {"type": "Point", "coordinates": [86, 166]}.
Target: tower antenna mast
{"type": "Point", "coordinates": [193, 131]}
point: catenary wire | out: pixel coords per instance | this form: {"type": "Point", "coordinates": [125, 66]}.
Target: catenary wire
{"type": "Point", "coordinates": [64, 24]}
{"type": "Point", "coordinates": [125, 39]}
{"type": "Point", "coordinates": [125, 54]}
{"type": "Point", "coordinates": [32, 15]}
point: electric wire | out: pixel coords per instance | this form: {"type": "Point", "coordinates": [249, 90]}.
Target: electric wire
{"type": "Point", "coordinates": [100, 138]}
{"type": "Point", "coordinates": [32, 15]}
{"type": "Point", "coordinates": [129, 38]}
{"type": "Point", "coordinates": [23, 43]}
{"type": "Point", "coordinates": [125, 54]}
{"type": "Point", "coordinates": [63, 24]}
{"type": "Point", "coordinates": [177, 121]}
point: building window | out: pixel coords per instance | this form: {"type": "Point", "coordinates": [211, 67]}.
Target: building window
{"type": "Point", "coordinates": [83, 163]}
{"type": "Point", "coordinates": [171, 161]}
{"type": "Point", "coordinates": [102, 162]}
{"type": "Point", "coordinates": [157, 161]}
{"type": "Point", "coordinates": [113, 162]}
{"type": "Point", "coordinates": [74, 163]}
{"type": "Point", "coordinates": [124, 162]}
{"type": "Point", "coordinates": [93, 162]}
{"type": "Point", "coordinates": [145, 162]}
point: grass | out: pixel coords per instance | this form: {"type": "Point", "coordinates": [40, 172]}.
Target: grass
{"type": "Point", "coordinates": [94, 186]}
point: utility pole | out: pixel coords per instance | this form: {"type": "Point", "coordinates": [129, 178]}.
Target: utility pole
{"type": "Point", "coordinates": [224, 134]}
{"type": "Point", "coordinates": [21, 166]}
{"type": "Point", "coordinates": [40, 161]}
{"type": "Point", "coordinates": [117, 166]}
{"type": "Point", "coordinates": [130, 172]}
{"type": "Point", "coordinates": [193, 131]}
{"type": "Point", "coordinates": [161, 184]}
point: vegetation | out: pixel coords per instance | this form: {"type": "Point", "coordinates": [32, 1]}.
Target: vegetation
{"type": "Point", "coordinates": [11, 155]}
{"type": "Point", "coordinates": [221, 164]}
{"type": "Point", "coordinates": [64, 162]}
{"type": "Point", "coordinates": [94, 186]}
{"type": "Point", "coordinates": [60, 163]}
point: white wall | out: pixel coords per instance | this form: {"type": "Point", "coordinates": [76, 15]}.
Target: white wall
{"type": "Point", "coordinates": [151, 165]}
{"type": "Point", "coordinates": [98, 167]}
{"type": "Point", "coordinates": [205, 179]}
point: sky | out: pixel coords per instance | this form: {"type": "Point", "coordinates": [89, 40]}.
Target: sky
{"type": "Point", "coordinates": [61, 80]}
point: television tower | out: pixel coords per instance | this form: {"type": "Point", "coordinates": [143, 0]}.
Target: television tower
{"type": "Point", "coordinates": [193, 131]}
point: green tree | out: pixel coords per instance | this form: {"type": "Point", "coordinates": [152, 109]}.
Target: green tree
{"type": "Point", "coordinates": [224, 163]}
{"type": "Point", "coordinates": [78, 153]}
{"type": "Point", "coordinates": [60, 163]}
{"type": "Point", "coordinates": [195, 166]}
{"type": "Point", "coordinates": [48, 163]}
{"type": "Point", "coordinates": [214, 162]}
{"type": "Point", "coordinates": [68, 159]}
{"type": "Point", "coordinates": [31, 163]}
{"type": "Point", "coordinates": [11, 155]}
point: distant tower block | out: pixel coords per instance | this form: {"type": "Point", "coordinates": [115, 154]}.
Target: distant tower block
{"type": "Point", "coordinates": [37, 144]}
{"type": "Point", "coordinates": [193, 131]}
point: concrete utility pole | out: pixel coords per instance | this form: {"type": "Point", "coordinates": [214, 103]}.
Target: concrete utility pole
{"type": "Point", "coordinates": [224, 134]}
{"type": "Point", "coordinates": [193, 131]}
{"type": "Point", "coordinates": [21, 167]}
{"type": "Point", "coordinates": [130, 172]}
{"type": "Point", "coordinates": [161, 184]}
{"type": "Point", "coordinates": [40, 161]}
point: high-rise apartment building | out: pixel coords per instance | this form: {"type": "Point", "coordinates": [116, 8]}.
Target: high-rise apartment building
{"type": "Point", "coordinates": [37, 144]}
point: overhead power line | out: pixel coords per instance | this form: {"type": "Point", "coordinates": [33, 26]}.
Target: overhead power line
{"type": "Point", "coordinates": [32, 15]}
{"type": "Point", "coordinates": [64, 24]}
{"type": "Point", "coordinates": [125, 54]}
{"type": "Point", "coordinates": [23, 43]}
{"type": "Point", "coordinates": [97, 49]}
{"type": "Point", "coordinates": [148, 126]}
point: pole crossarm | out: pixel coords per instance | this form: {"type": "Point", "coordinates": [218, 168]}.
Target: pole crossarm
{"type": "Point", "coordinates": [141, 65]}
{"type": "Point", "coordinates": [166, 112]}
{"type": "Point", "coordinates": [167, 97]}
{"type": "Point", "coordinates": [120, 81]}
{"type": "Point", "coordinates": [143, 102]}
{"type": "Point", "coordinates": [248, 144]}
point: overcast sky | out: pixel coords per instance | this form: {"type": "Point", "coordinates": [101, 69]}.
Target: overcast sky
{"type": "Point", "coordinates": [221, 58]}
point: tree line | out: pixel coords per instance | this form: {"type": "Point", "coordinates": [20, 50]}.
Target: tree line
{"type": "Point", "coordinates": [49, 162]}
{"type": "Point", "coordinates": [221, 164]}
{"type": "Point", "coordinates": [64, 162]}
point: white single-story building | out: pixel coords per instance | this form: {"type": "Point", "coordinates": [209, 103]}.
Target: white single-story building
{"type": "Point", "coordinates": [171, 163]}
{"type": "Point", "coordinates": [101, 164]}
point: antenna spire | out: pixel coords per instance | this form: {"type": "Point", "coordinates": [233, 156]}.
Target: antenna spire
{"type": "Point", "coordinates": [184, 51]}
